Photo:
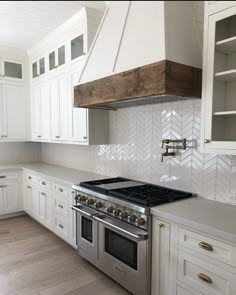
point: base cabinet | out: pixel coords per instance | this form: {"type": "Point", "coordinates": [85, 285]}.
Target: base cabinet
{"type": "Point", "coordinates": [50, 204]}
{"type": "Point", "coordinates": [187, 262]}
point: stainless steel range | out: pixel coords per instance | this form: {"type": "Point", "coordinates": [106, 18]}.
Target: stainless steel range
{"type": "Point", "coordinates": [114, 227]}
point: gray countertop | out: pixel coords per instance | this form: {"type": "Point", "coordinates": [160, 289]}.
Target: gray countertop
{"type": "Point", "coordinates": [64, 174]}
{"type": "Point", "coordinates": [211, 217]}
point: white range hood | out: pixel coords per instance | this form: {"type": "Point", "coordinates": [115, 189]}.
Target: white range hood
{"type": "Point", "coordinates": [133, 34]}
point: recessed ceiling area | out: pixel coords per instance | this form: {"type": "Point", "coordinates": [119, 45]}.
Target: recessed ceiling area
{"type": "Point", "coordinates": [24, 23]}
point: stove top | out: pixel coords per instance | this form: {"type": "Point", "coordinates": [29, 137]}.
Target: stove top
{"type": "Point", "coordinates": [140, 193]}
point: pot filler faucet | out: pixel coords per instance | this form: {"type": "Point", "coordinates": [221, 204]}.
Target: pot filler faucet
{"type": "Point", "coordinates": [165, 144]}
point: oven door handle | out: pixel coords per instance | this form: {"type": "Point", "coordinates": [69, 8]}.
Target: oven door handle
{"type": "Point", "coordinates": [138, 236]}
{"type": "Point", "coordinates": [82, 210]}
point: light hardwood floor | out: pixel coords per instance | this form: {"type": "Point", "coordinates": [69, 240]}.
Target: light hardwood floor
{"type": "Point", "coordinates": [33, 261]}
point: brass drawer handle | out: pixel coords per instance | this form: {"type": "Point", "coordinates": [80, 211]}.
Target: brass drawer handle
{"type": "Point", "coordinates": [205, 246]}
{"type": "Point", "coordinates": [44, 183]}
{"type": "Point", "coordinates": [61, 226]}
{"type": "Point", "coordinates": [43, 194]}
{"type": "Point", "coordinates": [2, 176]}
{"type": "Point", "coordinates": [161, 225]}
{"type": "Point", "coordinates": [29, 186]}
{"type": "Point", "coordinates": [60, 206]}
{"type": "Point", "coordinates": [60, 190]}
{"type": "Point", "coordinates": [29, 177]}
{"type": "Point", "coordinates": [205, 278]}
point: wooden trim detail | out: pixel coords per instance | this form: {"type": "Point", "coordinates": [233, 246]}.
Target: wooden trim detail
{"type": "Point", "coordinates": [160, 78]}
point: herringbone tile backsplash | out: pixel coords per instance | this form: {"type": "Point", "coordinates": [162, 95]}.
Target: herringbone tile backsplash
{"type": "Point", "coordinates": [135, 151]}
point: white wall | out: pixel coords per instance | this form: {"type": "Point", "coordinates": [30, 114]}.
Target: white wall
{"type": "Point", "coordinates": [20, 152]}
{"type": "Point", "coordinates": [135, 151]}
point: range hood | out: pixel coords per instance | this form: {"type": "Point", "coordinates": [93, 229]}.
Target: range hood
{"type": "Point", "coordinates": [144, 52]}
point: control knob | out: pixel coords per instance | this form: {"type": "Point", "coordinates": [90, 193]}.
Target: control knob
{"type": "Point", "coordinates": [110, 209]}
{"type": "Point", "coordinates": [90, 202]}
{"type": "Point", "coordinates": [98, 205]}
{"type": "Point", "coordinates": [117, 211]}
{"type": "Point", "coordinates": [123, 215]}
{"type": "Point", "coordinates": [81, 198]}
{"type": "Point", "coordinates": [132, 218]}
{"type": "Point", "coordinates": [141, 221]}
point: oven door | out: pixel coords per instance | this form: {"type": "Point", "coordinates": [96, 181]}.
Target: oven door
{"type": "Point", "coordinates": [123, 254]}
{"type": "Point", "coordinates": [86, 233]}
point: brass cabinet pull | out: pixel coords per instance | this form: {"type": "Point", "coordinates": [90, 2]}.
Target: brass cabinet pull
{"type": "Point", "coordinates": [44, 183]}
{"type": "Point", "coordinates": [60, 190]}
{"type": "Point", "coordinates": [29, 177]}
{"type": "Point", "coordinates": [205, 246]}
{"type": "Point", "coordinates": [161, 225]}
{"type": "Point", "coordinates": [29, 186]}
{"type": "Point", "coordinates": [43, 194]}
{"type": "Point", "coordinates": [205, 278]}
{"type": "Point", "coordinates": [61, 226]}
{"type": "Point", "coordinates": [2, 176]}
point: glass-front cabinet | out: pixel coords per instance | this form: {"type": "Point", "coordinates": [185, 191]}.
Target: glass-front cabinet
{"type": "Point", "coordinates": [12, 70]}
{"type": "Point", "coordinates": [38, 68]}
{"type": "Point", "coordinates": [77, 47]}
{"type": "Point", "coordinates": [57, 57]}
{"type": "Point", "coordinates": [219, 84]}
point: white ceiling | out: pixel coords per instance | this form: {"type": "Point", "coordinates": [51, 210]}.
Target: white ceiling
{"type": "Point", "coordinates": [24, 23]}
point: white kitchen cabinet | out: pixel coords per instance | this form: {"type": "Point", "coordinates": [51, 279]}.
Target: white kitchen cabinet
{"type": "Point", "coordinates": [59, 108]}
{"type": "Point", "coordinates": [88, 126]}
{"type": "Point", "coordinates": [219, 83]}
{"type": "Point", "coordinates": [28, 199]}
{"type": "Point", "coordinates": [11, 196]}
{"type": "Point", "coordinates": [38, 68]}
{"type": "Point", "coordinates": [57, 57]}
{"type": "Point", "coordinates": [1, 200]}
{"type": "Point", "coordinates": [160, 257]}
{"type": "Point", "coordinates": [13, 120]}
{"type": "Point", "coordinates": [45, 208]}
{"type": "Point", "coordinates": [41, 112]}
{"type": "Point", "coordinates": [12, 70]}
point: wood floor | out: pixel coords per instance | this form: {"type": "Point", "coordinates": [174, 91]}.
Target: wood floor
{"type": "Point", "coordinates": [33, 261]}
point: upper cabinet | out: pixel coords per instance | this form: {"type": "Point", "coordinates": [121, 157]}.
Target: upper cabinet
{"type": "Point", "coordinates": [56, 63]}
{"type": "Point", "coordinates": [219, 83]}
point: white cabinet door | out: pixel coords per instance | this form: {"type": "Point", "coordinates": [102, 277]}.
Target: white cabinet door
{"type": "Point", "coordinates": [45, 110]}
{"type": "Point", "coordinates": [1, 200]}
{"type": "Point", "coordinates": [160, 257]}
{"type": "Point", "coordinates": [28, 202]}
{"type": "Point", "coordinates": [14, 110]}
{"type": "Point", "coordinates": [45, 208]}
{"type": "Point", "coordinates": [59, 108]}
{"type": "Point", "coordinates": [79, 126]}
{"type": "Point", "coordinates": [1, 114]}
{"type": "Point", "coordinates": [36, 116]}
{"type": "Point", "coordinates": [72, 221]}
{"type": "Point", "coordinates": [42, 206]}
{"type": "Point", "coordinates": [11, 196]}
{"type": "Point", "coordinates": [35, 202]}
{"type": "Point", "coordinates": [41, 112]}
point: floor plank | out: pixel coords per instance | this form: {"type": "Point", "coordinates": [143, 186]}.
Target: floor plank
{"type": "Point", "coordinates": [33, 261]}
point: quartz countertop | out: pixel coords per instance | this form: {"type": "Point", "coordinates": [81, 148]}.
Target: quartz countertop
{"type": "Point", "coordinates": [210, 217]}
{"type": "Point", "coordinates": [60, 173]}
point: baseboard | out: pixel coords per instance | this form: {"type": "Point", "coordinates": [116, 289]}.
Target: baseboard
{"type": "Point", "coordinates": [14, 214]}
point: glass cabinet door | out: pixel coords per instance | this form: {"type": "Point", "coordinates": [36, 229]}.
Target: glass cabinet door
{"type": "Point", "coordinates": [35, 69]}
{"type": "Point", "coordinates": [12, 70]}
{"type": "Point", "coordinates": [41, 66]}
{"type": "Point", "coordinates": [52, 60]}
{"type": "Point", "coordinates": [61, 55]}
{"type": "Point", "coordinates": [77, 47]}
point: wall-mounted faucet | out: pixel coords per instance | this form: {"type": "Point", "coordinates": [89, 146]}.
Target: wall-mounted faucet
{"type": "Point", "coordinates": [166, 142]}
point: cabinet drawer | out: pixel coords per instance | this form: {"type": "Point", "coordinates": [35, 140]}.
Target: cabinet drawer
{"type": "Point", "coordinates": [61, 225]}
{"type": "Point", "coordinates": [61, 206]}
{"type": "Point", "coordinates": [208, 246]}
{"type": "Point", "coordinates": [8, 176]}
{"type": "Point", "coordinates": [45, 183]}
{"type": "Point", "coordinates": [60, 189]}
{"type": "Point", "coordinates": [204, 277]}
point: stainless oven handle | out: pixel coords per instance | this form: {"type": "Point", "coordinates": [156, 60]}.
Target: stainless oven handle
{"type": "Point", "coordinates": [138, 237]}
{"type": "Point", "coordinates": [80, 210]}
